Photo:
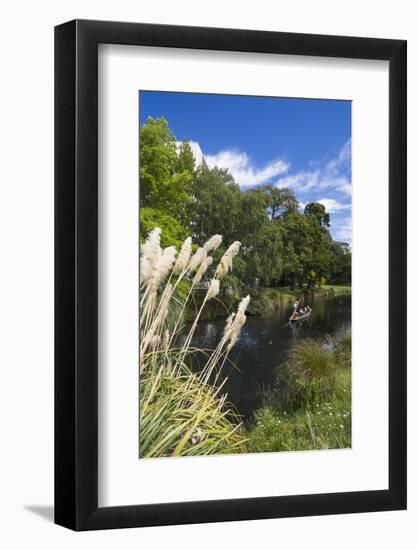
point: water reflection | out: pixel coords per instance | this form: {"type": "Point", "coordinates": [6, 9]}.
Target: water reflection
{"type": "Point", "coordinates": [263, 344]}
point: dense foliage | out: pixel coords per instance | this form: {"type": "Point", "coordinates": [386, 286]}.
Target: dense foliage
{"type": "Point", "coordinates": [281, 246]}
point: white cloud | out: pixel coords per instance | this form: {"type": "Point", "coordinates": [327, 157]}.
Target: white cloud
{"type": "Point", "coordinates": [343, 231]}
{"type": "Point", "coordinates": [240, 166]}
{"type": "Point", "coordinates": [342, 161]}
{"type": "Point", "coordinates": [302, 181]}
{"type": "Point", "coordinates": [332, 205]}
{"type": "Point", "coordinates": [331, 175]}
{"type": "Point", "coordinates": [344, 186]}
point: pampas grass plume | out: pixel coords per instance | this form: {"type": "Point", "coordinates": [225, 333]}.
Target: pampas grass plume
{"type": "Point", "coordinates": [199, 255]}
{"type": "Point", "coordinates": [183, 257]}
{"type": "Point", "coordinates": [213, 243]}
{"type": "Point", "coordinates": [226, 263]}
{"type": "Point", "coordinates": [213, 289]}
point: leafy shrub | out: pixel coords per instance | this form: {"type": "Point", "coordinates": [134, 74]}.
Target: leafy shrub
{"type": "Point", "coordinates": [261, 305]}
{"type": "Point", "coordinates": [309, 373]}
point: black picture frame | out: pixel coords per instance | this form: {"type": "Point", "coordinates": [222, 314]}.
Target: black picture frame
{"type": "Point", "coordinates": [76, 272]}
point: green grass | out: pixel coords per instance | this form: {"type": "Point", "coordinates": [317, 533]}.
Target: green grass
{"type": "Point", "coordinates": [343, 351]}
{"type": "Point", "coordinates": [309, 375]}
{"type": "Point", "coordinates": [183, 416]}
{"type": "Point", "coordinates": [266, 300]}
{"type": "Point", "coordinates": [285, 292]}
{"type": "Point", "coordinates": [280, 292]}
{"type": "Point", "coordinates": [337, 290]}
{"type": "Point", "coordinates": [316, 410]}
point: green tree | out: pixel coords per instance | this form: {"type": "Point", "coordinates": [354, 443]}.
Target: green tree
{"type": "Point", "coordinates": [318, 211]}
{"type": "Point", "coordinates": [253, 216]}
{"type": "Point", "coordinates": [185, 159]}
{"type": "Point", "coordinates": [173, 233]}
{"type": "Point", "coordinates": [342, 263]}
{"type": "Point", "coordinates": [279, 201]}
{"type": "Point", "coordinates": [266, 257]}
{"type": "Point", "coordinates": [320, 262]}
{"type": "Point", "coordinates": [215, 206]}
{"type": "Point", "coordinates": [298, 235]}
{"type": "Point", "coordinates": [292, 266]}
{"type": "Point", "coordinates": [162, 187]}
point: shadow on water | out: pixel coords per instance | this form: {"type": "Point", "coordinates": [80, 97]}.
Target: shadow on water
{"type": "Point", "coordinates": [264, 342]}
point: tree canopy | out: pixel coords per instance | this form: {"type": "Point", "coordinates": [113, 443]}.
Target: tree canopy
{"type": "Point", "coordinates": [281, 245]}
{"type": "Point", "coordinates": [318, 211]}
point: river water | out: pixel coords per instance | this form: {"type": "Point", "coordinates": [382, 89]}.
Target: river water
{"type": "Point", "coordinates": [263, 344]}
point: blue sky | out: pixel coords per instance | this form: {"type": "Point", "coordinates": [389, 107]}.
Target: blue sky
{"type": "Point", "coordinates": [303, 144]}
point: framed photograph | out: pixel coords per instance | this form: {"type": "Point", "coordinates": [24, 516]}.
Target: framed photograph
{"type": "Point", "coordinates": [230, 253]}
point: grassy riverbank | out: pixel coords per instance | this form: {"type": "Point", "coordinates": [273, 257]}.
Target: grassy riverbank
{"type": "Point", "coordinates": [337, 290]}
{"type": "Point", "coordinates": [266, 300]}
{"type": "Point", "coordinates": [315, 412]}
{"type": "Point", "coordinates": [263, 301]}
